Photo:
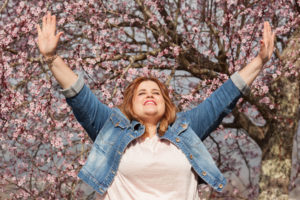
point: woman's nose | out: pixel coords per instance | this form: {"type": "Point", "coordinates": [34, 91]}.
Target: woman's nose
{"type": "Point", "coordinates": [149, 95]}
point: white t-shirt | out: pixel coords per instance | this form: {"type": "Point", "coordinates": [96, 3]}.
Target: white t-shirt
{"type": "Point", "coordinates": [153, 169]}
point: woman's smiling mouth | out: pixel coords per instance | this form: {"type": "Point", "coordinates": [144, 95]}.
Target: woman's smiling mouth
{"type": "Point", "coordinates": [149, 102]}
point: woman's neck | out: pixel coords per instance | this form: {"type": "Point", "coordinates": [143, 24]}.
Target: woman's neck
{"type": "Point", "coordinates": [150, 130]}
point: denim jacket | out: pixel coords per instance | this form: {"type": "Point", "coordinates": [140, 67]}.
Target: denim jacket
{"type": "Point", "coordinates": [111, 132]}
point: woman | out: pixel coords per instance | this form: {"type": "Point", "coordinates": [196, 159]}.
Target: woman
{"type": "Point", "coordinates": [144, 149]}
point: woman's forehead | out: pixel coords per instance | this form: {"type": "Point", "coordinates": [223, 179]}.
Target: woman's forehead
{"type": "Point", "coordinates": [148, 85]}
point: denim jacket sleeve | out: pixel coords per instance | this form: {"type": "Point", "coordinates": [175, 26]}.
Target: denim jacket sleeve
{"type": "Point", "coordinates": [207, 116]}
{"type": "Point", "coordinates": [88, 110]}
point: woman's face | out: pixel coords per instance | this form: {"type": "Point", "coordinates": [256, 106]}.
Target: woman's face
{"type": "Point", "coordinates": [148, 102]}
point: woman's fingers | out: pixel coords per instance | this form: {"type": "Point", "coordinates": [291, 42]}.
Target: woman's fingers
{"type": "Point", "coordinates": [53, 23]}
{"type": "Point", "coordinates": [268, 33]}
{"type": "Point", "coordinates": [47, 39]}
{"type": "Point", "coordinates": [44, 22]}
{"type": "Point", "coordinates": [270, 36]}
{"type": "Point", "coordinates": [268, 39]}
{"type": "Point", "coordinates": [48, 18]}
{"type": "Point", "coordinates": [58, 36]}
{"type": "Point", "coordinates": [265, 32]}
{"type": "Point", "coordinates": [267, 42]}
{"type": "Point", "coordinates": [49, 24]}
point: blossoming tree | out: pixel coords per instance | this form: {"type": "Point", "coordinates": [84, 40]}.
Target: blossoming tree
{"type": "Point", "coordinates": [192, 45]}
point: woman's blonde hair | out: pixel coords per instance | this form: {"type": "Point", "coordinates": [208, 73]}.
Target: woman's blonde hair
{"type": "Point", "coordinates": [127, 106]}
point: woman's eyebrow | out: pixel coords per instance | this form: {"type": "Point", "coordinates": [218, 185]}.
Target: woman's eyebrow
{"type": "Point", "coordinates": [145, 90]}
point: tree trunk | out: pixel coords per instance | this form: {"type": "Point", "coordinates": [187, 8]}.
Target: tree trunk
{"type": "Point", "coordinates": [277, 144]}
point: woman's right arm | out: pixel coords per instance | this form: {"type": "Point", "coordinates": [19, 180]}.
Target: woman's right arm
{"type": "Point", "coordinates": [88, 110]}
{"type": "Point", "coordinates": [47, 43]}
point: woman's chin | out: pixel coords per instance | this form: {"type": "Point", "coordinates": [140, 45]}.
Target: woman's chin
{"type": "Point", "coordinates": [150, 112]}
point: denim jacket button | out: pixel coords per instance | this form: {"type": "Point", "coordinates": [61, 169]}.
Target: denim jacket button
{"type": "Point", "coordinates": [184, 126]}
{"type": "Point", "coordinates": [177, 139]}
{"type": "Point", "coordinates": [204, 173]}
{"type": "Point", "coordinates": [113, 172]}
{"type": "Point", "coordinates": [221, 186]}
{"type": "Point", "coordinates": [191, 156]}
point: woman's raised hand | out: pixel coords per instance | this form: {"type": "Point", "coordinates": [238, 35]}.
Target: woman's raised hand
{"type": "Point", "coordinates": [47, 40]}
{"type": "Point", "coordinates": [267, 43]}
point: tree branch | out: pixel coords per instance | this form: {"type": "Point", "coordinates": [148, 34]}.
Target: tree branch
{"type": "Point", "coordinates": [3, 6]}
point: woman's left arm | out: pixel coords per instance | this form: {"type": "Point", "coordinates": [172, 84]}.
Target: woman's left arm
{"type": "Point", "coordinates": [207, 116]}
{"type": "Point", "coordinates": [250, 72]}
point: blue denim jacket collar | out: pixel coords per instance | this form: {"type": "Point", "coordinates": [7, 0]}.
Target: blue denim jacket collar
{"type": "Point", "coordinates": [119, 119]}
